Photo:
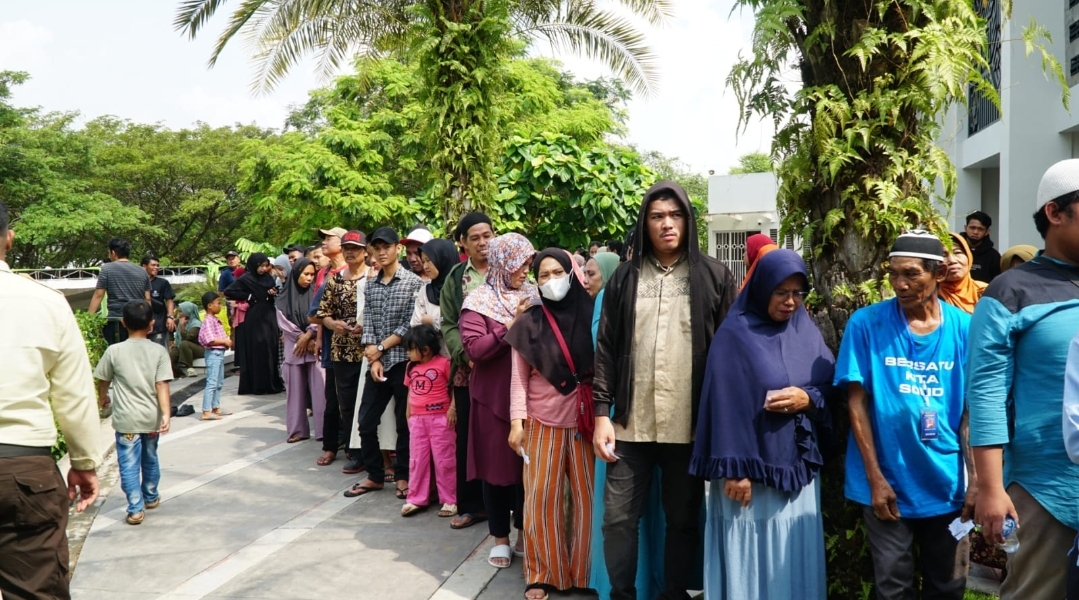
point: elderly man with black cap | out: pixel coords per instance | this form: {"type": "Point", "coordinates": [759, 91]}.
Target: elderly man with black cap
{"type": "Point", "coordinates": [1019, 340]}
{"type": "Point", "coordinates": [387, 315]}
{"type": "Point", "coordinates": [225, 279]}
{"type": "Point", "coordinates": [419, 236]}
{"type": "Point", "coordinates": [903, 363]}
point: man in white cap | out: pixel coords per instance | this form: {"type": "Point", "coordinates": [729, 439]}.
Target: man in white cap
{"type": "Point", "coordinates": [1019, 340]}
{"type": "Point", "coordinates": [902, 363]}
{"type": "Point", "coordinates": [419, 236]}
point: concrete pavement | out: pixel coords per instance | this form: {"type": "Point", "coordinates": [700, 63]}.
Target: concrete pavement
{"type": "Point", "coordinates": [245, 515]}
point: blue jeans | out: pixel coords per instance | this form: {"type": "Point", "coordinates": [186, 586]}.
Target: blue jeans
{"type": "Point", "coordinates": [215, 379]}
{"type": "Point", "coordinates": [140, 471]}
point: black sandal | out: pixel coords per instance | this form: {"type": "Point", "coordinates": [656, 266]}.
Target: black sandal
{"type": "Point", "coordinates": [402, 493]}
{"type": "Point", "coordinates": [467, 520]}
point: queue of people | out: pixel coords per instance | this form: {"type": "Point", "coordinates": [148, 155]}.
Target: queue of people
{"type": "Point", "coordinates": [646, 423]}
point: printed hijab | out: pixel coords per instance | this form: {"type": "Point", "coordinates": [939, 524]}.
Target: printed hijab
{"type": "Point", "coordinates": [751, 354]}
{"type": "Point", "coordinates": [294, 301]}
{"type": "Point", "coordinates": [966, 292]}
{"type": "Point", "coordinates": [533, 338]}
{"type": "Point", "coordinates": [443, 254]}
{"type": "Point", "coordinates": [496, 299]}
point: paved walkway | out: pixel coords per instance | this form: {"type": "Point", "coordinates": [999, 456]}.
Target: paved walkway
{"type": "Point", "coordinates": [245, 515]}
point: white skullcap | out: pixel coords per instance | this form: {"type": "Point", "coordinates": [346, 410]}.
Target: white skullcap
{"type": "Point", "coordinates": [1061, 179]}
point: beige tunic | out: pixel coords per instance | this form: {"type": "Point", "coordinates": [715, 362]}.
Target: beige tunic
{"type": "Point", "coordinates": [662, 407]}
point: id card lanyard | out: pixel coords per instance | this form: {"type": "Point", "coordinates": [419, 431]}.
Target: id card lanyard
{"type": "Point", "coordinates": [927, 424]}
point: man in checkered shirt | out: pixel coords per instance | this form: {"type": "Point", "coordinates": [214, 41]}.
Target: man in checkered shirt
{"type": "Point", "coordinates": [387, 313]}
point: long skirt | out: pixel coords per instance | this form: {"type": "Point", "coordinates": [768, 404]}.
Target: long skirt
{"type": "Point", "coordinates": [256, 344]}
{"type": "Point", "coordinates": [766, 550]}
{"type": "Point", "coordinates": [557, 459]}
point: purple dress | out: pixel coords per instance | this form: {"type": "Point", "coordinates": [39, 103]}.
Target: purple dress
{"type": "Point", "coordinates": [490, 458]}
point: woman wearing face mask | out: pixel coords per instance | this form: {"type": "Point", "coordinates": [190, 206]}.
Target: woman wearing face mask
{"type": "Point", "coordinates": [487, 314]}
{"type": "Point", "coordinates": [257, 337]}
{"type": "Point", "coordinates": [305, 381]}
{"type": "Point", "coordinates": [551, 416]}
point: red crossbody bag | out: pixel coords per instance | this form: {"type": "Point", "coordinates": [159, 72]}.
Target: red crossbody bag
{"type": "Point", "coordinates": [586, 416]}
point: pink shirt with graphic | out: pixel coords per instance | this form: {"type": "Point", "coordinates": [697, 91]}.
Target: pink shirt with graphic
{"type": "Point", "coordinates": [429, 386]}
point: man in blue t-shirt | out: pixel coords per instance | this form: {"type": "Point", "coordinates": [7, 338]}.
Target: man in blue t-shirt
{"type": "Point", "coordinates": [903, 362]}
{"type": "Point", "coordinates": [1019, 339]}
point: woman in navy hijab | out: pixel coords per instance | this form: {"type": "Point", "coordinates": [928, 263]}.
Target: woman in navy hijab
{"type": "Point", "coordinates": [769, 374]}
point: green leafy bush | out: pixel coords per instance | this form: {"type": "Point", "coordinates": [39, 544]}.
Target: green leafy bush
{"type": "Point", "coordinates": [90, 325]}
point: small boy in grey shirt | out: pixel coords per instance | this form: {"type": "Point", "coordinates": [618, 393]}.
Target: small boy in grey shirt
{"type": "Point", "coordinates": [139, 371]}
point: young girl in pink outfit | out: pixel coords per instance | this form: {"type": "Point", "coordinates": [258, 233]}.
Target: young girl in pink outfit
{"type": "Point", "coordinates": [432, 418]}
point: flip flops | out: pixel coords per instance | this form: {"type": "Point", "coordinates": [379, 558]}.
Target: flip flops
{"type": "Point", "coordinates": [467, 520]}
{"type": "Point", "coordinates": [502, 551]}
{"type": "Point", "coordinates": [360, 489]}
{"type": "Point", "coordinates": [210, 417]}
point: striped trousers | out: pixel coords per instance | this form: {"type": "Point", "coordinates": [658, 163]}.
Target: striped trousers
{"type": "Point", "coordinates": [557, 460]}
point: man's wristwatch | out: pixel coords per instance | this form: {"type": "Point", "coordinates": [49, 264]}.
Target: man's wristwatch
{"type": "Point", "coordinates": [380, 348]}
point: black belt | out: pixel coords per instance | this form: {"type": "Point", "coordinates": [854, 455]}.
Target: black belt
{"type": "Point", "coordinates": [13, 451]}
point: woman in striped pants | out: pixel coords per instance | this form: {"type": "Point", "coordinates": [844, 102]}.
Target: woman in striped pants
{"type": "Point", "coordinates": [550, 389]}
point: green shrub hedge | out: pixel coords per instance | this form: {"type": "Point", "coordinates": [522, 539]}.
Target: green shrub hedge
{"type": "Point", "coordinates": [90, 325]}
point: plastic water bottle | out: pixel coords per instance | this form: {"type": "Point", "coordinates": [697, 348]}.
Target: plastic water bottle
{"type": "Point", "coordinates": [1011, 537]}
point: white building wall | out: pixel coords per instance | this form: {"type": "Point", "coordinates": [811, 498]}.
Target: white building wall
{"type": "Point", "coordinates": [999, 167]}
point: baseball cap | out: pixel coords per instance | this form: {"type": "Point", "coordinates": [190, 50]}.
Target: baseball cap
{"type": "Point", "coordinates": [386, 235]}
{"type": "Point", "coordinates": [419, 235]}
{"type": "Point", "coordinates": [354, 238]}
{"type": "Point", "coordinates": [336, 231]}
{"type": "Point", "coordinates": [1061, 179]}
{"type": "Point", "coordinates": [231, 253]}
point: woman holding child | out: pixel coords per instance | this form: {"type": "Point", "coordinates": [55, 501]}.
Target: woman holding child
{"type": "Point", "coordinates": [551, 416]}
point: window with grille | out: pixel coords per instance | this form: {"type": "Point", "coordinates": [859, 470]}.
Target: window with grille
{"type": "Point", "coordinates": [731, 251]}
{"type": "Point", "coordinates": [788, 240]}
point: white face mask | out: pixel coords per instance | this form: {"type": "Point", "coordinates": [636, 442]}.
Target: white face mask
{"type": "Point", "coordinates": [555, 289]}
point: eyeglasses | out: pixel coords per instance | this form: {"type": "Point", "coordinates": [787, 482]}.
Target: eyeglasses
{"type": "Point", "coordinates": [798, 296]}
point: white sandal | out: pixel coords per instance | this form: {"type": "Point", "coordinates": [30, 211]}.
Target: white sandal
{"type": "Point", "coordinates": [500, 551]}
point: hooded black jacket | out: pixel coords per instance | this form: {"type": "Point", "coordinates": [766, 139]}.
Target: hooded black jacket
{"type": "Point", "coordinates": [986, 265]}
{"type": "Point", "coordinates": [711, 289]}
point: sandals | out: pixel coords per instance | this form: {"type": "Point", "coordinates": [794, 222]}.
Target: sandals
{"type": "Point", "coordinates": [502, 551]}
{"type": "Point", "coordinates": [388, 477]}
{"type": "Point", "coordinates": [543, 587]}
{"type": "Point", "coordinates": [447, 510]}
{"type": "Point", "coordinates": [402, 493]}
{"type": "Point", "coordinates": [296, 438]}
{"type": "Point", "coordinates": [210, 416]}
{"type": "Point", "coordinates": [220, 412]}
{"type": "Point", "coordinates": [466, 520]}
{"type": "Point", "coordinates": [410, 509]}
{"type": "Point", "coordinates": [327, 458]}
{"type": "Point", "coordinates": [362, 488]}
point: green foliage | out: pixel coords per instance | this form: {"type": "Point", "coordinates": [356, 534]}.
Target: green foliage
{"type": "Point", "coordinates": [90, 326]}
{"type": "Point", "coordinates": [857, 157]}
{"type": "Point", "coordinates": [559, 194]}
{"type": "Point", "coordinates": [754, 162]}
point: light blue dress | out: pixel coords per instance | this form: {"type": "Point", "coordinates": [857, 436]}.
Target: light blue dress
{"type": "Point", "coordinates": [653, 525]}
{"type": "Point", "coordinates": [769, 549]}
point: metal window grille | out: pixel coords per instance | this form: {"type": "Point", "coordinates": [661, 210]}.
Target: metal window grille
{"type": "Point", "coordinates": [981, 111]}
{"type": "Point", "coordinates": [788, 240]}
{"type": "Point", "coordinates": [731, 251]}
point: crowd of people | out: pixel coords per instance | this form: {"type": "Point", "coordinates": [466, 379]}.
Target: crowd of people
{"type": "Point", "coordinates": [646, 423]}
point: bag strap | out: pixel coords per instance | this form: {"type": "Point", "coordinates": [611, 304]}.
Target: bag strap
{"type": "Point", "coordinates": [561, 341]}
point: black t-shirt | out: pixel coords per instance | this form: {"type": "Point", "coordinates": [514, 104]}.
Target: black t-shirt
{"type": "Point", "coordinates": [160, 291]}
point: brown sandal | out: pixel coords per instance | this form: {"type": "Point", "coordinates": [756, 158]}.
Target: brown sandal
{"type": "Point", "coordinates": [327, 458]}
{"type": "Point", "coordinates": [295, 438]}
{"type": "Point", "coordinates": [362, 488]}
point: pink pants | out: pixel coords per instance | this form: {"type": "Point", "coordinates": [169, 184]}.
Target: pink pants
{"type": "Point", "coordinates": [431, 437]}
{"type": "Point", "coordinates": [303, 383]}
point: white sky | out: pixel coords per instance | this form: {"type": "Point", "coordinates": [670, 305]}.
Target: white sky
{"type": "Point", "coordinates": [123, 58]}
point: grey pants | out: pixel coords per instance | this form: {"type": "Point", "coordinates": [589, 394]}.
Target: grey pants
{"type": "Point", "coordinates": [1039, 568]}
{"type": "Point", "coordinates": [942, 561]}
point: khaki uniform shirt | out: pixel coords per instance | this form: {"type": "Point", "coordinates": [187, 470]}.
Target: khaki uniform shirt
{"type": "Point", "coordinates": [44, 356]}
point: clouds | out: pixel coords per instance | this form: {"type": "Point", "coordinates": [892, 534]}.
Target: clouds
{"type": "Point", "coordinates": [125, 59]}
{"type": "Point", "coordinates": [22, 44]}
{"type": "Point", "coordinates": [693, 116]}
